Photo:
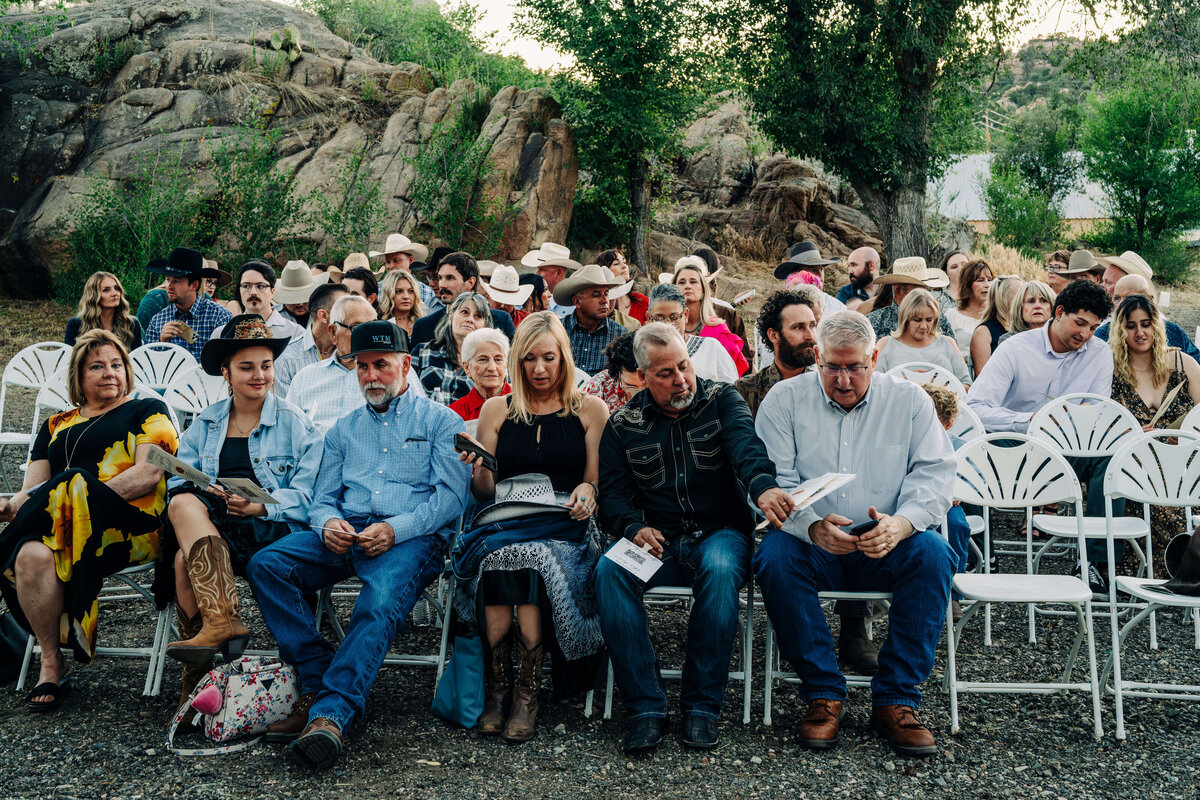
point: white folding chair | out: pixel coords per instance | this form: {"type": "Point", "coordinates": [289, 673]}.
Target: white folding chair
{"type": "Point", "coordinates": [1025, 475]}
{"type": "Point", "coordinates": [1191, 422]}
{"type": "Point", "coordinates": [923, 372]}
{"type": "Point", "coordinates": [1160, 468]}
{"type": "Point", "coordinates": [967, 425]}
{"type": "Point", "coordinates": [774, 673]}
{"type": "Point", "coordinates": [155, 651]}
{"type": "Point", "coordinates": [34, 367]}
{"type": "Point", "coordinates": [141, 391]}
{"type": "Point", "coordinates": [1086, 425]}
{"type": "Point", "coordinates": [745, 634]}
{"type": "Point", "coordinates": [192, 390]}
{"type": "Point", "coordinates": [158, 363]}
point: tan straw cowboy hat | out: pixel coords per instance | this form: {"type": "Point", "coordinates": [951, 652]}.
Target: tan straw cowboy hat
{"type": "Point", "coordinates": [297, 282]}
{"type": "Point", "coordinates": [505, 286]}
{"type": "Point", "coordinates": [912, 271]}
{"type": "Point", "coordinates": [399, 243]}
{"type": "Point", "coordinates": [550, 255]}
{"type": "Point", "coordinates": [1128, 262]}
{"type": "Point", "coordinates": [583, 278]}
{"type": "Point", "coordinates": [352, 261]}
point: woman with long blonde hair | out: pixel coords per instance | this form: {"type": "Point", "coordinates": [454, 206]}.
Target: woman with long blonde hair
{"type": "Point", "coordinates": [545, 435]}
{"type": "Point", "coordinates": [400, 300]}
{"type": "Point", "coordinates": [103, 306]}
{"type": "Point", "coordinates": [702, 319]}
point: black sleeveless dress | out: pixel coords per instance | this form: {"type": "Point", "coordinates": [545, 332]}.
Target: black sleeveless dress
{"type": "Point", "coordinates": [553, 446]}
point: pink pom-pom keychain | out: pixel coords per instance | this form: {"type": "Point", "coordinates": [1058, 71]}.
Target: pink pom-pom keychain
{"type": "Point", "coordinates": [208, 701]}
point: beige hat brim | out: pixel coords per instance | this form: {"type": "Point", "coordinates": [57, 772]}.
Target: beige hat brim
{"type": "Point", "coordinates": [516, 298]}
{"type": "Point", "coordinates": [569, 287]}
{"type": "Point", "coordinates": [934, 279]}
{"type": "Point", "coordinates": [300, 294]}
{"type": "Point", "coordinates": [419, 252]}
{"type": "Point", "coordinates": [621, 290]}
{"type": "Point", "coordinates": [1126, 265]}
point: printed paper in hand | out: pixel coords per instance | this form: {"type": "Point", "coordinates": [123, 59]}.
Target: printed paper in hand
{"type": "Point", "coordinates": [634, 559]}
{"type": "Point", "coordinates": [814, 489]}
{"type": "Point", "coordinates": [244, 487]}
{"type": "Point", "coordinates": [173, 466]}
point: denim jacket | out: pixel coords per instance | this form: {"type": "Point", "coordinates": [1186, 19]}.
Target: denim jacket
{"type": "Point", "coordinates": [684, 475]}
{"type": "Point", "coordinates": [285, 452]}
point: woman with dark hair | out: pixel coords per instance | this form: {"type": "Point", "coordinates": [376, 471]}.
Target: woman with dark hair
{"type": "Point", "coordinates": [974, 279]}
{"type": "Point", "coordinates": [540, 295]}
{"type": "Point", "coordinates": [619, 381]}
{"type": "Point", "coordinates": [103, 305]}
{"type": "Point", "coordinates": [213, 532]}
{"type": "Point", "coordinates": [89, 508]}
{"type": "Point", "coordinates": [1158, 384]}
{"type": "Point", "coordinates": [437, 362]}
{"type": "Point", "coordinates": [632, 304]}
{"type": "Point", "coordinates": [952, 264]}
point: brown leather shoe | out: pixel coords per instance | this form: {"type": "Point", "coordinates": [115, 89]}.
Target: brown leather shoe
{"type": "Point", "coordinates": [491, 722]}
{"type": "Point", "coordinates": [287, 729]}
{"type": "Point", "coordinates": [319, 745]}
{"type": "Point", "coordinates": [819, 729]}
{"type": "Point", "coordinates": [900, 726]}
{"type": "Point", "coordinates": [522, 722]}
{"type": "Point", "coordinates": [857, 650]}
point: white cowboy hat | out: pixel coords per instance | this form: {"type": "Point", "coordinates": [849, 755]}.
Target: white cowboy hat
{"type": "Point", "coordinates": [1128, 262]}
{"type": "Point", "coordinates": [550, 255]}
{"type": "Point", "coordinates": [487, 268]}
{"type": "Point", "coordinates": [689, 261]}
{"type": "Point", "coordinates": [622, 289]}
{"type": "Point", "coordinates": [297, 282]}
{"type": "Point", "coordinates": [521, 496]}
{"type": "Point", "coordinates": [399, 243]}
{"type": "Point", "coordinates": [505, 286]}
{"type": "Point", "coordinates": [913, 272]}
{"type": "Point", "coordinates": [584, 277]}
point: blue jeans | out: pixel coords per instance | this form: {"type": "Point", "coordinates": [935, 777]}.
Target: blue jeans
{"type": "Point", "coordinates": [917, 573]}
{"type": "Point", "coordinates": [1092, 470]}
{"type": "Point", "coordinates": [959, 535]}
{"type": "Point", "coordinates": [716, 567]}
{"type": "Point", "coordinates": [392, 583]}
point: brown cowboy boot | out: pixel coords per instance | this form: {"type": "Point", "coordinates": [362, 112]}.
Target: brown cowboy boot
{"type": "Point", "coordinates": [491, 722]}
{"type": "Point", "coordinates": [211, 574]}
{"type": "Point", "coordinates": [523, 719]}
{"type": "Point", "coordinates": [192, 673]}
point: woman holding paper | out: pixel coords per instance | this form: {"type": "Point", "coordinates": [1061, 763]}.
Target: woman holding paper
{"type": "Point", "coordinates": [1159, 385]}
{"type": "Point", "coordinates": [517, 558]}
{"type": "Point", "coordinates": [254, 437]}
{"type": "Point", "coordinates": [88, 509]}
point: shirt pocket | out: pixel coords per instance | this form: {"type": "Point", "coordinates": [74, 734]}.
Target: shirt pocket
{"type": "Point", "coordinates": [647, 465]}
{"type": "Point", "coordinates": [281, 469]}
{"type": "Point", "coordinates": [706, 446]}
{"type": "Point", "coordinates": [415, 466]}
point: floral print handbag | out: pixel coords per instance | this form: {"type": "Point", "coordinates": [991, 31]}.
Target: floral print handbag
{"type": "Point", "coordinates": [239, 699]}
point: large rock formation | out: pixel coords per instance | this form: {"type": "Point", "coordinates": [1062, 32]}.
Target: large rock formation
{"type": "Point", "coordinates": [131, 78]}
{"type": "Point", "coordinates": [728, 194]}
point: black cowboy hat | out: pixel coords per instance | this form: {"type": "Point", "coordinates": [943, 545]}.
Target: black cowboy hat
{"type": "Point", "coordinates": [244, 330]}
{"type": "Point", "coordinates": [184, 262]}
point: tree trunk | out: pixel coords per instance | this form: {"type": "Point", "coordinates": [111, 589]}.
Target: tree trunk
{"type": "Point", "coordinates": [900, 215]}
{"type": "Point", "coordinates": [639, 202]}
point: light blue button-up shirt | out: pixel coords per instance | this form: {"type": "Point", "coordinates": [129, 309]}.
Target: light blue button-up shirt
{"type": "Point", "coordinates": [327, 391]}
{"type": "Point", "coordinates": [398, 467]}
{"type": "Point", "coordinates": [1025, 373]}
{"type": "Point", "coordinates": [891, 441]}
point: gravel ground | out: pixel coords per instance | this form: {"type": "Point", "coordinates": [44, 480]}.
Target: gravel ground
{"type": "Point", "coordinates": [107, 740]}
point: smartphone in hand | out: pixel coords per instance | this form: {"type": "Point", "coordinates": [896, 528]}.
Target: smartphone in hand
{"type": "Point", "coordinates": [464, 445]}
{"type": "Point", "coordinates": [859, 530]}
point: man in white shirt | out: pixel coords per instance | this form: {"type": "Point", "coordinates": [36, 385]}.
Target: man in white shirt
{"type": "Point", "coordinates": [317, 342]}
{"type": "Point", "coordinates": [256, 291]}
{"type": "Point", "coordinates": [1034, 366]}
{"type": "Point", "coordinates": [326, 389]}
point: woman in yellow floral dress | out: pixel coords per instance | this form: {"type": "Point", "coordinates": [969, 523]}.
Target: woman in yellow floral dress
{"type": "Point", "coordinates": [89, 508]}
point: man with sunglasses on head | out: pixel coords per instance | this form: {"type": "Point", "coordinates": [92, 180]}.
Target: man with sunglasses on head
{"type": "Point", "coordinates": [328, 389]}
{"type": "Point", "coordinates": [845, 419]}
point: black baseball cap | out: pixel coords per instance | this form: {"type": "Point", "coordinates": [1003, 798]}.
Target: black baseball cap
{"type": "Point", "coordinates": [378, 336]}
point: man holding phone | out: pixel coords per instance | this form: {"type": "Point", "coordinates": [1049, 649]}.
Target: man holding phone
{"type": "Point", "coordinates": [873, 534]}
{"type": "Point", "coordinates": [386, 498]}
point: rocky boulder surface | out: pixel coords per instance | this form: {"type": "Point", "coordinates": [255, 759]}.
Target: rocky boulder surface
{"type": "Point", "coordinates": [130, 79]}
{"type": "Point", "coordinates": [729, 193]}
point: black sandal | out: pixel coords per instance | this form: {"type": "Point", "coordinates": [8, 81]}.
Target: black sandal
{"type": "Point", "coordinates": [57, 692]}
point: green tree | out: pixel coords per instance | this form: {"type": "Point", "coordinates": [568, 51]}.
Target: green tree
{"type": "Point", "coordinates": [1022, 216]}
{"type": "Point", "coordinates": [636, 78]}
{"type": "Point", "coordinates": [883, 92]}
{"type": "Point", "coordinates": [1039, 146]}
{"type": "Point", "coordinates": [1138, 143]}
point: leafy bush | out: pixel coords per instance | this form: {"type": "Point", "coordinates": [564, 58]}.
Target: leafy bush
{"type": "Point", "coordinates": [1022, 216]}
{"type": "Point", "coordinates": [396, 30]}
{"type": "Point", "coordinates": [1169, 257]}
{"type": "Point", "coordinates": [354, 212]}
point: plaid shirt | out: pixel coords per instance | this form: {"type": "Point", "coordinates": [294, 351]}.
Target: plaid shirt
{"type": "Point", "coordinates": [203, 317]}
{"type": "Point", "coordinates": [753, 388]}
{"type": "Point", "coordinates": [429, 297]}
{"type": "Point", "coordinates": [444, 380]}
{"type": "Point", "coordinates": [588, 348]}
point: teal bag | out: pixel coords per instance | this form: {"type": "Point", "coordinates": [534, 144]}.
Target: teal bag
{"type": "Point", "coordinates": [459, 695]}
